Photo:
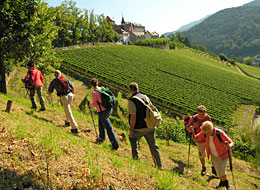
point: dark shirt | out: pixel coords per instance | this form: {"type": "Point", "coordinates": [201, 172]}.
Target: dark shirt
{"type": "Point", "coordinates": [140, 110]}
{"type": "Point", "coordinates": [53, 85]}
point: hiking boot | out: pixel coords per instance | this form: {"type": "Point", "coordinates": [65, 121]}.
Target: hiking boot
{"type": "Point", "coordinates": [221, 184]}
{"type": "Point", "coordinates": [67, 124]}
{"type": "Point", "coordinates": [42, 109]}
{"type": "Point", "coordinates": [99, 140]}
{"type": "Point", "coordinates": [203, 170]}
{"type": "Point", "coordinates": [226, 184]}
{"type": "Point", "coordinates": [75, 131]}
{"type": "Point", "coordinates": [213, 170]}
{"type": "Point", "coordinates": [33, 107]}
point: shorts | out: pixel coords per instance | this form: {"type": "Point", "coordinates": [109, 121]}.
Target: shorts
{"type": "Point", "coordinates": [220, 165]}
{"type": "Point", "coordinates": [201, 149]}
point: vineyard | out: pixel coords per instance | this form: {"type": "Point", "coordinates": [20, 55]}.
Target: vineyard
{"type": "Point", "coordinates": [177, 79]}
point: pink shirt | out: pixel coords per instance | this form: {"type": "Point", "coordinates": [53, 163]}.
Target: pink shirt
{"type": "Point", "coordinates": [96, 97]}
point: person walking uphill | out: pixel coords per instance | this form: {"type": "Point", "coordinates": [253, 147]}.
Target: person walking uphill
{"type": "Point", "coordinates": [34, 82]}
{"type": "Point", "coordinates": [195, 123]}
{"type": "Point", "coordinates": [66, 91]}
{"type": "Point", "coordinates": [138, 127]}
{"type": "Point", "coordinates": [104, 123]}
{"type": "Point", "coordinates": [217, 145]}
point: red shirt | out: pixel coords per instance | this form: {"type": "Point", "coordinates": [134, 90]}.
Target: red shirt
{"type": "Point", "coordinates": [197, 130]}
{"type": "Point", "coordinates": [38, 78]}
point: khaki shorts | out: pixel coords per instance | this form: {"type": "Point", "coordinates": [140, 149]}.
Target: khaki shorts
{"type": "Point", "coordinates": [202, 149]}
{"type": "Point", "coordinates": [220, 165]}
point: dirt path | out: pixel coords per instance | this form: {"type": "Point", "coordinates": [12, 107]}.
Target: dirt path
{"type": "Point", "coordinates": [240, 71]}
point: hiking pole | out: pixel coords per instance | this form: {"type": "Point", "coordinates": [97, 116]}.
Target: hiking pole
{"type": "Point", "coordinates": [231, 167]}
{"type": "Point", "coordinates": [92, 117]}
{"type": "Point", "coordinates": [188, 155]}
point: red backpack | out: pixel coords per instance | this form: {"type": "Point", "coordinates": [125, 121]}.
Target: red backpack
{"type": "Point", "coordinates": [29, 80]}
{"type": "Point", "coordinates": [62, 86]}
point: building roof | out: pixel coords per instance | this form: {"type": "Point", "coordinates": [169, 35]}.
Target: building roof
{"type": "Point", "coordinates": [121, 31]}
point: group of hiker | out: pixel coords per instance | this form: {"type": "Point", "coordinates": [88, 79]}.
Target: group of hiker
{"type": "Point", "coordinates": [200, 128]}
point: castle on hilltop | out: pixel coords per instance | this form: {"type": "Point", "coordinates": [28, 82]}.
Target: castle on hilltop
{"type": "Point", "coordinates": [132, 32]}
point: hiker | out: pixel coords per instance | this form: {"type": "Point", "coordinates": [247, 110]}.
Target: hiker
{"type": "Point", "coordinates": [104, 123]}
{"type": "Point", "coordinates": [66, 91]}
{"type": "Point", "coordinates": [138, 127]}
{"type": "Point", "coordinates": [34, 82]}
{"type": "Point", "coordinates": [217, 145]}
{"type": "Point", "coordinates": [195, 122]}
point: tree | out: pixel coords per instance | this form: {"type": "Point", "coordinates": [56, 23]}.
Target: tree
{"type": "Point", "coordinates": [105, 30]}
{"type": "Point", "coordinates": [27, 33]}
{"type": "Point", "coordinates": [92, 27]}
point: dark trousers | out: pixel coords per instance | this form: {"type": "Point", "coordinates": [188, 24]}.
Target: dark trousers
{"type": "Point", "coordinates": [32, 97]}
{"type": "Point", "coordinates": [105, 125]}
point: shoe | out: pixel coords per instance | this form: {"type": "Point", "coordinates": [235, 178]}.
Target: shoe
{"type": "Point", "coordinates": [42, 109]}
{"type": "Point", "coordinates": [221, 184]}
{"type": "Point", "coordinates": [213, 170]}
{"type": "Point", "coordinates": [67, 124]}
{"type": "Point", "coordinates": [33, 107]}
{"type": "Point", "coordinates": [75, 131]}
{"type": "Point", "coordinates": [99, 140]}
{"type": "Point", "coordinates": [203, 170]}
{"type": "Point", "coordinates": [226, 184]}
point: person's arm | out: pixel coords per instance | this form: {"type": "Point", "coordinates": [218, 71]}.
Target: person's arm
{"type": "Point", "coordinates": [228, 142]}
{"type": "Point", "coordinates": [51, 87]}
{"type": "Point", "coordinates": [73, 89]}
{"type": "Point", "coordinates": [41, 77]}
{"type": "Point", "coordinates": [132, 124]}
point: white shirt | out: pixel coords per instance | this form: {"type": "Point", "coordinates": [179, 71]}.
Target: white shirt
{"type": "Point", "coordinates": [212, 147]}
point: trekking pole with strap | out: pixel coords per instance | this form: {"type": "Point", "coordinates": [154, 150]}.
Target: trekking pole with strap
{"type": "Point", "coordinates": [188, 155]}
{"type": "Point", "coordinates": [92, 117]}
{"type": "Point", "coordinates": [231, 166]}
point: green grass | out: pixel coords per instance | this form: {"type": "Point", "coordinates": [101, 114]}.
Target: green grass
{"type": "Point", "coordinates": [250, 70]}
{"type": "Point", "coordinates": [36, 149]}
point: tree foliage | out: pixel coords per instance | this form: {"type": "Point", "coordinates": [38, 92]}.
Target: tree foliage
{"type": "Point", "coordinates": [27, 31]}
{"type": "Point", "coordinates": [80, 26]}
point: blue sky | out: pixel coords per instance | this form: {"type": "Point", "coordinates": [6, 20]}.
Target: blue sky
{"type": "Point", "coordinates": [156, 15]}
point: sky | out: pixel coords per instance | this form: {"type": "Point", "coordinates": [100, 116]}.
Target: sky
{"type": "Point", "coordinates": [156, 15]}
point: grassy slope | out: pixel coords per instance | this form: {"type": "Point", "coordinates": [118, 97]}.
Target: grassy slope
{"type": "Point", "coordinates": [37, 151]}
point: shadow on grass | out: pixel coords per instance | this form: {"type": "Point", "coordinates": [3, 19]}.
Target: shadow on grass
{"type": "Point", "coordinates": [10, 180]}
{"type": "Point", "coordinates": [211, 178]}
{"type": "Point", "coordinates": [180, 168]}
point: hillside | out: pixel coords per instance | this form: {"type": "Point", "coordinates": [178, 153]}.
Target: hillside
{"type": "Point", "coordinates": [178, 80]}
{"type": "Point", "coordinates": [186, 26]}
{"type": "Point", "coordinates": [233, 31]}
{"type": "Point", "coordinates": [37, 152]}
{"type": "Point", "coordinates": [253, 3]}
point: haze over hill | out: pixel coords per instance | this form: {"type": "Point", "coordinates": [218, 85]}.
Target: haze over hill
{"type": "Point", "coordinates": [187, 26]}
{"type": "Point", "coordinates": [234, 31]}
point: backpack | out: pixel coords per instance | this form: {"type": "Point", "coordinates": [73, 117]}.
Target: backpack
{"type": "Point", "coordinates": [218, 129]}
{"type": "Point", "coordinates": [153, 117]}
{"type": "Point", "coordinates": [62, 86]}
{"type": "Point", "coordinates": [107, 97]}
{"type": "Point", "coordinates": [29, 82]}
{"type": "Point", "coordinates": [186, 121]}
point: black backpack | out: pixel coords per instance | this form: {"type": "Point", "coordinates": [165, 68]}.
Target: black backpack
{"type": "Point", "coordinates": [107, 97]}
{"type": "Point", "coordinates": [186, 121]}
{"type": "Point", "coordinates": [218, 128]}
{"type": "Point", "coordinates": [29, 81]}
{"type": "Point", "coordinates": [62, 86]}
